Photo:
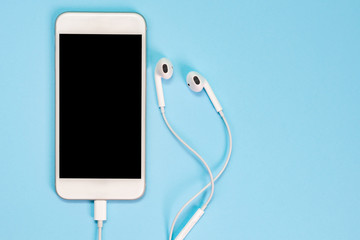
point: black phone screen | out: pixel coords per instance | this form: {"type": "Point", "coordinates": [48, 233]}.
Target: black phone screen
{"type": "Point", "coordinates": [100, 105]}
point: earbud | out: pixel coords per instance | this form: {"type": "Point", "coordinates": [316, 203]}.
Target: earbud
{"type": "Point", "coordinates": [196, 82]}
{"type": "Point", "coordinates": [164, 69]}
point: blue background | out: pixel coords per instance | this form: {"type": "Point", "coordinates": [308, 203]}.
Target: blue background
{"type": "Point", "coordinates": [288, 77]}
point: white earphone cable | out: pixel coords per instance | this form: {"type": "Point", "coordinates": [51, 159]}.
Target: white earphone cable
{"type": "Point", "coordinates": [196, 154]}
{"type": "Point", "coordinates": [210, 183]}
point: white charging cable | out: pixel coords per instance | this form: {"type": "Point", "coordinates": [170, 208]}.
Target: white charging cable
{"type": "Point", "coordinates": [99, 214]}
{"type": "Point", "coordinates": [198, 214]}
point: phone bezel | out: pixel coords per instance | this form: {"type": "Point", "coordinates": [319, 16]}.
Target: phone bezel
{"type": "Point", "coordinates": [100, 23]}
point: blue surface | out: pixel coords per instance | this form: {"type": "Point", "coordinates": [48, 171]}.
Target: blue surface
{"type": "Point", "coordinates": [288, 77]}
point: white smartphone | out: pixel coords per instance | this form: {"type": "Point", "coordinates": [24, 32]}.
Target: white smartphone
{"type": "Point", "coordinates": [100, 105]}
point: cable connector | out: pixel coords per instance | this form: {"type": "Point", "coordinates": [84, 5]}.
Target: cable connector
{"type": "Point", "coordinates": [100, 214]}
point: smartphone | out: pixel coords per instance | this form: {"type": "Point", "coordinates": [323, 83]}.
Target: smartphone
{"type": "Point", "coordinates": [100, 105]}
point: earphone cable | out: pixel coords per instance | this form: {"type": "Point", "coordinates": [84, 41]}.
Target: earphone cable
{"type": "Point", "coordinates": [210, 183]}
{"type": "Point", "coordinates": [196, 154]}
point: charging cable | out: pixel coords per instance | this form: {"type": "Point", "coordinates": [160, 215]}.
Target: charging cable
{"type": "Point", "coordinates": [100, 214]}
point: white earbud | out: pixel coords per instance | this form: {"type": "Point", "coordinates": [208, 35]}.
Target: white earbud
{"type": "Point", "coordinates": [196, 82]}
{"type": "Point", "coordinates": [164, 69]}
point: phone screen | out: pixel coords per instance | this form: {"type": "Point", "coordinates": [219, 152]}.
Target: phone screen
{"type": "Point", "coordinates": [100, 105]}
